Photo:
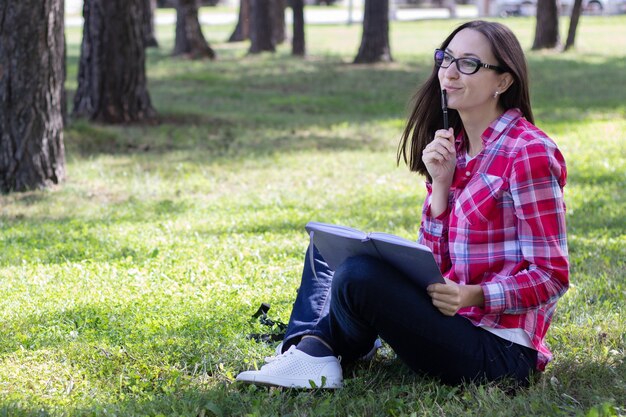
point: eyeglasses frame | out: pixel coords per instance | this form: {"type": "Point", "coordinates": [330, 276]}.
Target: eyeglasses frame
{"type": "Point", "coordinates": [479, 63]}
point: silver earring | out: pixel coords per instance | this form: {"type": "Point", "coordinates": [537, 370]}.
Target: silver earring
{"type": "Point", "coordinates": [495, 95]}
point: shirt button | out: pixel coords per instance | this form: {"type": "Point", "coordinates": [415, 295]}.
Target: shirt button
{"type": "Point", "coordinates": [467, 173]}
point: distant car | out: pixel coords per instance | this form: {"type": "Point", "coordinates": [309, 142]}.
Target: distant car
{"type": "Point", "coordinates": [596, 6]}
{"type": "Point", "coordinates": [529, 7]}
{"type": "Point", "coordinates": [506, 8]}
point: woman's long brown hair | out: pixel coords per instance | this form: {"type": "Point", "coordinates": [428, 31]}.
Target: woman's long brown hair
{"type": "Point", "coordinates": [426, 118]}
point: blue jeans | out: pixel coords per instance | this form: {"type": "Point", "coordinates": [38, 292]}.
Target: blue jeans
{"type": "Point", "coordinates": [367, 298]}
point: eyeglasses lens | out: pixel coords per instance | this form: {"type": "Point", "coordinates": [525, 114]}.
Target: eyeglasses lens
{"type": "Point", "coordinates": [467, 66]}
{"type": "Point", "coordinates": [464, 65]}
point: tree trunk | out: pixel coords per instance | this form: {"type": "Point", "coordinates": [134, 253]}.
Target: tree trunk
{"type": "Point", "coordinates": [451, 6]}
{"type": "Point", "coordinates": [150, 40]}
{"type": "Point", "coordinates": [189, 39]}
{"type": "Point", "coordinates": [298, 42]}
{"type": "Point", "coordinates": [447, 4]}
{"type": "Point", "coordinates": [261, 33]}
{"type": "Point", "coordinates": [278, 21]}
{"type": "Point", "coordinates": [573, 24]}
{"type": "Point", "coordinates": [547, 29]}
{"type": "Point", "coordinates": [242, 30]}
{"type": "Point", "coordinates": [32, 47]}
{"type": "Point", "coordinates": [375, 39]}
{"type": "Point", "coordinates": [111, 74]}
{"type": "Point", "coordinates": [64, 90]}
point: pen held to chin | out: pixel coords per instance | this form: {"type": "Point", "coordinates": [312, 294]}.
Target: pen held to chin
{"type": "Point", "coordinates": [444, 108]}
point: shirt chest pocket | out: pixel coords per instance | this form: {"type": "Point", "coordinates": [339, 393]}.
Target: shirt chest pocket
{"type": "Point", "coordinates": [479, 200]}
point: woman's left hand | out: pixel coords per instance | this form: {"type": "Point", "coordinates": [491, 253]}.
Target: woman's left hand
{"type": "Point", "coordinates": [450, 297]}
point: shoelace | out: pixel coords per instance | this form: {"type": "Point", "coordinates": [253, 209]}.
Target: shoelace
{"type": "Point", "coordinates": [270, 359]}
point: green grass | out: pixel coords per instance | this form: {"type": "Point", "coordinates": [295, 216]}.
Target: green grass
{"type": "Point", "coordinates": [128, 290]}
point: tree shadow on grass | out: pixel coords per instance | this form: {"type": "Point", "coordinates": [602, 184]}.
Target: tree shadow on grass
{"type": "Point", "coordinates": [268, 107]}
{"type": "Point", "coordinates": [567, 89]}
{"type": "Point", "coordinates": [86, 138]}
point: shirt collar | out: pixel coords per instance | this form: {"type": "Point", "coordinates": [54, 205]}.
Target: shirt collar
{"type": "Point", "coordinates": [495, 129]}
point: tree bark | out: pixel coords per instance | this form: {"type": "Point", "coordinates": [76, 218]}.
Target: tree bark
{"type": "Point", "coordinates": [32, 49]}
{"type": "Point", "coordinates": [298, 45]}
{"type": "Point", "coordinates": [189, 38]}
{"type": "Point", "coordinates": [278, 21]}
{"type": "Point", "coordinates": [375, 40]}
{"type": "Point", "coordinates": [547, 29]}
{"type": "Point", "coordinates": [150, 40]}
{"type": "Point", "coordinates": [111, 74]}
{"type": "Point", "coordinates": [573, 24]}
{"type": "Point", "coordinates": [261, 32]}
{"type": "Point", "coordinates": [242, 30]}
{"type": "Point", "coordinates": [64, 90]}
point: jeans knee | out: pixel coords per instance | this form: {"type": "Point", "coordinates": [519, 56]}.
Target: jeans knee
{"type": "Point", "coordinates": [355, 271]}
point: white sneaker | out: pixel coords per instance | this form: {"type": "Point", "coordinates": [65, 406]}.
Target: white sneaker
{"type": "Point", "coordinates": [296, 369]}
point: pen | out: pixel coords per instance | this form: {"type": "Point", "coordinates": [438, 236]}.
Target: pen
{"type": "Point", "coordinates": [444, 107]}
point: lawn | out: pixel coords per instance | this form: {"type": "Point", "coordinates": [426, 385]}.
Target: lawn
{"type": "Point", "coordinates": [129, 289]}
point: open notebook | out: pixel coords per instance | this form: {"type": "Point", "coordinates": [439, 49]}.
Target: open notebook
{"type": "Point", "coordinates": [337, 243]}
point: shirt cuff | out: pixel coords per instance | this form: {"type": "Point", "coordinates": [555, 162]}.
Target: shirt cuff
{"type": "Point", "coordinates": [495, 297]}
{"type": "Point", "coordinates": [433, 227]}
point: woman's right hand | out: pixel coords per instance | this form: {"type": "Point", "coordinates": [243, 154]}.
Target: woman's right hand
{"type": "Point", "coordinates": [439, 156]}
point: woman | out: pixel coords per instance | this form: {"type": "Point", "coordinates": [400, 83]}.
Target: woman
{"type": "Point", "coordinates": [494, 218]}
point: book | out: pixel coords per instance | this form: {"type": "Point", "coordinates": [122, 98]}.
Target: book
{"type": "Point", "coordinates": [338, 243]}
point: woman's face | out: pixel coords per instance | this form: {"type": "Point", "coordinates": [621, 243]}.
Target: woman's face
{"type": "Point", "coordinates": [474, 92]}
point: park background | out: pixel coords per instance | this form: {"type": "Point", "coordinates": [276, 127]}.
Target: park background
{"type": "Point", "coordinates": [129, 289]}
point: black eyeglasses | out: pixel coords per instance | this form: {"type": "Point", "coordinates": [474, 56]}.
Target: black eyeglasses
{"type": "Point", "coordinates": [466, 66]}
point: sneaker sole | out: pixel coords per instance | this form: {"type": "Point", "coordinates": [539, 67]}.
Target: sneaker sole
{"type": "Point", "coordinates": [273, 381]}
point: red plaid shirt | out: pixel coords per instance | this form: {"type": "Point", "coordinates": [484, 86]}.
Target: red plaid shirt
{"type": "Point", "coordinates": [504, 228]}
